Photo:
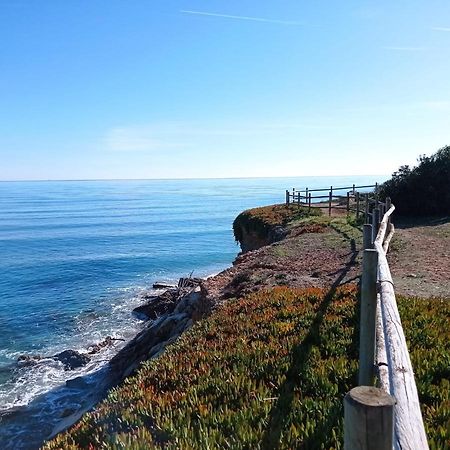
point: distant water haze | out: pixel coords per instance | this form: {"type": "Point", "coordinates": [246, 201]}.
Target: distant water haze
{"type": "Point", "coordinates": [75, 256]}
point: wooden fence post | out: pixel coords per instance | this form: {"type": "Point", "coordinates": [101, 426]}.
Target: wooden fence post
{"type": "Point", "coordinates": [367, 236]}
{"type": "Point", "coordinates": [299, 195]}
{"type": "Point", "coordinates": [368, 419]}
{"type": "Point", "coordinates": [366, 209]}
{"type": "Point", "coordinates": [357, 205]}
{"type": "Point", "coordinates": [309, 202]}
{"type": "Point", "coordinates": [388, 206]}
{"type": "Point", "coordinates": [375, 222]}
{"type": "Point", "coordinates": [348, 201]}
{"type": "Point", "coordinates": [306, 195]}
{"type": "Point", "coordinates": [287, 197]}
{"type": "Point", "coordinates": [368, 317]}
{"type": "Point", "coordinates": [330, 197]}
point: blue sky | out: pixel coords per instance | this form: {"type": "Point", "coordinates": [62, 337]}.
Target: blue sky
{"type": "Point", "coordinates": [168, 89]}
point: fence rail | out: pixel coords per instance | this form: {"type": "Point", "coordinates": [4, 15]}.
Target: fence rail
{"type": "Point", "coordinates": [353, 200]}
{"type": "Point", "coordinates": [388, 417]}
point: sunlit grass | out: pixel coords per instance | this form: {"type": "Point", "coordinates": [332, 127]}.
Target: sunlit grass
{"type": "Point", "coordinates": [266, 371]}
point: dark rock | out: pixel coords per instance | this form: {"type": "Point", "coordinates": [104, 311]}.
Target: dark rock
{"type": "Point", "coordinates": [71, 359]}
{"type": "Point", "coordinates": [277, 234]}
{"type": "Point", "coordinates": [189, 302]}
{"type": "Point", "coordinates": [158, 305]}
{"type": "Point", "coordinates": [107, 342]}
{"type": "Point", "coordinates": [67, 412]}
{"type": "Point", "coordinates": [77, 383]}
{"type": "Point", "coordinates": [28, 360]}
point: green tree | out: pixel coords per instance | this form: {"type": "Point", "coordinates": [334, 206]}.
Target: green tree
{"type": "Point", "coordinates": [423, 190]}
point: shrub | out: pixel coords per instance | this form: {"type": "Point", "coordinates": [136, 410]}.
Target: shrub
{"type": "Point", "coordinates": [266, 371]}
{"type": "Point", "coordinates": [423, 190]}
{"type": "Point", "coordinates": [262, 220]}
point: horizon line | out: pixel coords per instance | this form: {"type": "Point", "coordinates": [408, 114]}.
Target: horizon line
{"type": "Point", "coordinates": [68, 180]}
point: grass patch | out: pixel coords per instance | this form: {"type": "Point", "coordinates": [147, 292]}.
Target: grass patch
{"type": "Point", "coordinates": [426, 326]}
{"type": "Point", "coordinates": [262, 220]}
{"type": "Point", "coordinates": [267, 371]}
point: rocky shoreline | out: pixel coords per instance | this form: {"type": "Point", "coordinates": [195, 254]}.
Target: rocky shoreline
{"type": "Point", "coordinates": [304, 255]}
{"type": "Point", "coordinates": [167, 316]}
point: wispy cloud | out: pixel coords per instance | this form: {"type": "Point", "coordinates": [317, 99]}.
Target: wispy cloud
{"type": "Point", "coordinates": [155, 137]}
{"type": "Point", "coordinates": [131, 139]}
{"type": "Point", "coordinates": [445, 29]}
{"type": "Point", "coordinates": [235, 17]}
{"type": "Point", "coordinates": [404, 49]}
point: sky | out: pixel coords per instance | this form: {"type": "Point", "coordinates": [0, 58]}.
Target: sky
{"type": "Point", "coordinates": [93, 89]}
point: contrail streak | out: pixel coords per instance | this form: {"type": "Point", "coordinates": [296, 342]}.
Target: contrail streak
{"type": "Point", "coordinates": [229, 16]}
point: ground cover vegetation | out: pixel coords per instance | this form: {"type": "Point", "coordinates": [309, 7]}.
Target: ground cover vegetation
{"type": "Point", "coordinates": [265, 371]}
{"type": "Point", "coordinates": [423, 190]}
{"type": "Point", "coordinates": [264, 219]}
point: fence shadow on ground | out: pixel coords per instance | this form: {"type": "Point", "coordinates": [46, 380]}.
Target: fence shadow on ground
{"type": "Point", "coordinates": [300, 359]}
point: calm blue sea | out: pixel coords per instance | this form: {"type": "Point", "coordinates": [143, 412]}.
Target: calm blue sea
{"type": "Point", "coordinates": [76, 256]}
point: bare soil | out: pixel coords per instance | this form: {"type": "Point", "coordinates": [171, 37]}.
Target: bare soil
{"type": "Point", "coordinates": [330, 253]}
{"type": "Point", "coordinates": [419, 257]}
{"type": "Point", "coordinates": [310, 256]}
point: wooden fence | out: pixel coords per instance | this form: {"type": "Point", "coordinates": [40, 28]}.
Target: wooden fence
{"type": "Point", "coordinates": [389, 416]}
{"type": "Point", "coordinates": [348, 197]}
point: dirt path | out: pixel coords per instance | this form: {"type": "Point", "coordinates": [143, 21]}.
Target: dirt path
{"type": "Point", "coordinates": [323, 255]}
{"type": "Point", "coordinates": [420, 258]}
{"type": "Point", "coordinates": [310, 256]}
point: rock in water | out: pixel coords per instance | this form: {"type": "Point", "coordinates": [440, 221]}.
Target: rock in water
{"type": "Point", "coordinates": [28, 360]}
{"type": "Point", "coordinates": [77, 383]}
{"type": "Point", "coordinates": [71, 359]}
{"type": "Point", "coordinates": [158, 305]}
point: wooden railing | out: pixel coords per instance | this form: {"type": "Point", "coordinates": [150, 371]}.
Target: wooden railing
{"type": "Point", "coordinates": [352, 200]}
{"type": "Point", "coordinates": [388, 416]}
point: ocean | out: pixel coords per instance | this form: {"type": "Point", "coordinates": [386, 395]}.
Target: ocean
{"type": "Point", "coordinates": [75, 259]}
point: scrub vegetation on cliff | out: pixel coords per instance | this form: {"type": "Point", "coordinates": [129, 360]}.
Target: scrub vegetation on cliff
{"type": "Point", "coordinates": [266, 371]}
{"type": "Point", "coordinates": [262, 221]}
{"type": "Point", "coordinates": [423, 190]}
{"type": "Point", "coordinates": [270, 366]}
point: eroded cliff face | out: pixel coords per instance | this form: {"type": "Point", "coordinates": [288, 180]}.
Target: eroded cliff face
{"type": "Point", "coordinates": [253, 239]}
{"type": "Point", "coordinates": [258, 227]}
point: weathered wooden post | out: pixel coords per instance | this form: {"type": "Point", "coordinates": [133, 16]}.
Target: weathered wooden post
{"type": "Point", "coordinates": [366, 209]}
{"type": "Point", "coordinates": [368, 419]}
{"type": "Point", "coordinates": [388, 203]}
{"type": "Point", "coordinates": [330, 198]}
{"type": "Point", "coordinates": [367, 236]}
{"type": "Point", "coordinates": [388, 207]}
{"type": "Point", "coordinates": [306, 195]}
{"type": "Point", "coordinates": [368, 317]}
{"type": "Point", "coordinates": [353, 190]}
{"type": "Point", "coordinates": [309, 202]}
{"type": "Point", "coordinates": [298, 199]}
{"type": "Point", "coordinates": [348, 202]}
{"type": "Point", "coordinates": [357, 205]}
{"type": "Point", "coordinates": [287, 197]}
{"type": "Point", "coordinates": [375, 222]}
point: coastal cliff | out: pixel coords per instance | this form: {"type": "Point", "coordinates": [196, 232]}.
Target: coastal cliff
{"type": "Point", "coordinates": [258, 227]}
{"type": "Point", "coordinates": [260, 355]}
